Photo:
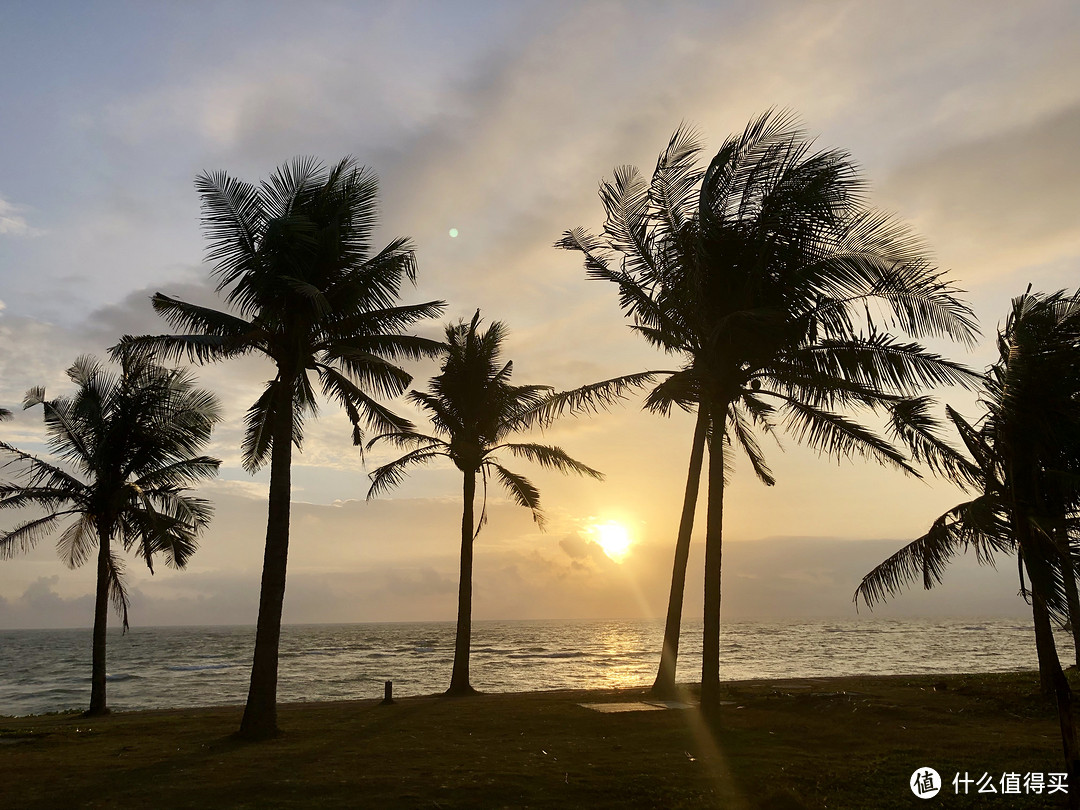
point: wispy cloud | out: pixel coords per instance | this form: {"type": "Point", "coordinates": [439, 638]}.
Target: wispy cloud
{"type": "Point", "coordinates": [13, 222]}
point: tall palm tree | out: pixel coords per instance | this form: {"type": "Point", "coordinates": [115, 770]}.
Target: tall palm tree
{"type": "Point", "coordinates": [127, 448]}
{"type": "Point", "coordinates": [773, 281]}
{"type": "Point", "coordinates": [1026, 473]}
{"type": "Point", "coordinates": [474, 408]}
{"type": "Point", "coordinates": [640, 229]}
{"type": "Point", "coordinates": [295, 255]}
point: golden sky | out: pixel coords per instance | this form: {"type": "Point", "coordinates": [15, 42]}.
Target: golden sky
{"type": "Point", "coordinates": [499, 120]}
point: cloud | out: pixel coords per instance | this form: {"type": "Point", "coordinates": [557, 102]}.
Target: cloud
{"type": "Point", "coordinates": [13, 223]}
{"type": "Point", "coordinates": [999, 202]}
{"type": "Point", "coordinates": [41, 606]}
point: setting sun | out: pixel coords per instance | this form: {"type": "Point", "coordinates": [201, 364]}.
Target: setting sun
{"type": "Point", "coordinates": [613, 538]}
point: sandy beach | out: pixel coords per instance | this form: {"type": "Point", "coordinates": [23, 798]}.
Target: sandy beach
{"type": "Point", "coordinates": [825, 742]}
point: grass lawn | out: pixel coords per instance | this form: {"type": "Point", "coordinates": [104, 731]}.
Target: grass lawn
{"type": "Point", "coordinates": [836, 743]}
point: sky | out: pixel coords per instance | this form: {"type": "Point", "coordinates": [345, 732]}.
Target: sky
{"type": "Point", "coordinates": [499, 120]}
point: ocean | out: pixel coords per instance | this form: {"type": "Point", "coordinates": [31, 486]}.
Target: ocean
{"type": "Point", "coordinates": [176, 667]}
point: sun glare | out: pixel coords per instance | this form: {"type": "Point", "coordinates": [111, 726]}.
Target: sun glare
{"type": "Point", "coordinates": [613, 538]}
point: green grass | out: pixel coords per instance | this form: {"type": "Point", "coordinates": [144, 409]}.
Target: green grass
{"type": "Point", "coordinates": [836, 743]}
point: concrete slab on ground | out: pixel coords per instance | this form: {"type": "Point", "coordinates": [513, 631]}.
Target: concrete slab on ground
{"type": "Point", "coordinates": [638, 706]}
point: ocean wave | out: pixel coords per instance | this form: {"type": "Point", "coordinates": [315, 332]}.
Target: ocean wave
{"type": "Point", "coordinates": [122, 676]}
{"type": "Point", "coordinates": [572, 654]}
{"type": "Point", "coordinates": [198, 667]}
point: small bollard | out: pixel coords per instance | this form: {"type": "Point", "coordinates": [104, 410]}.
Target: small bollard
{"type": "Point", "coordinates": [388, 694]}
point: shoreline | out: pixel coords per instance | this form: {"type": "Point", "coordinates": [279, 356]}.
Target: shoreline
{"type": "Point", "coordinates": [687, 690]}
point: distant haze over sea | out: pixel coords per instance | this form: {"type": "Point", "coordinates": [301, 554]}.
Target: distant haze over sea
{"type": "Point", "coordinates": [771, 579]}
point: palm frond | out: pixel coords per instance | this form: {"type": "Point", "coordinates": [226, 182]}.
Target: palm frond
{"type": "Point", "coordinates": [745, 437]}
{"type": "Point", "coordinates": [554, 458]}
{"type": "Point", "coordinates": [838, 436]}
{"type": "Point", "coordinates": [117, 590]}
{"type": "Point", "coordinates": [521, 491]}
{"type": "Point", "coordinates": [592, 398]}
{"type": "Point", "coordinates": [78, 541]}
{"type": "Point", "coordinates": [391, 475]}
{"type": "Point", "coordinates": [912, 424]}
{"type": "Point", "coordinates": [975, 523]}
{"type": "Point", "coordinates": [25, 535]}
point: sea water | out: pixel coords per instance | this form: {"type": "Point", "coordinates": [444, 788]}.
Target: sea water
{"type": "Point", "coordinates": [174, 667]}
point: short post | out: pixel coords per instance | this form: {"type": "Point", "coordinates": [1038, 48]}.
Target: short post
{"type": "Point", "coordinates": [388, 694]}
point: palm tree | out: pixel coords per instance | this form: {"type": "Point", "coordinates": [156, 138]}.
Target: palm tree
{"type": "Point", "coordinates": [474, 408]}
{"type": "Point", "coordinates": [772, 280]}
{"type": "Point", "coordinates": [1025, 451]}
{"type": "Point", "coordinates": [130, 443]}
{"type": "Point", "coordinates": [295, 255]}
{"type": "Point", "coordinates": [640, 227]}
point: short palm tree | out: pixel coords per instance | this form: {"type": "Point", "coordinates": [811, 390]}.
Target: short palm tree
{"type": "Point", "coordinates": [127, 449]}
{"type": "Point", "coordinates": [295, 255]}
{"type": "Point", "coordinates": [769, 277]}
{"type": "Point", "coordinates": [1025, 469]}
{"type": "Point", "coordinates": [474, 408]}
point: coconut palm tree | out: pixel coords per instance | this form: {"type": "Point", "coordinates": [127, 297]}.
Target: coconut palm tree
{"type": "Point", "coordinates": [474, 408]}
{"type": "Point", "coordinates": [294, 254]}
{"type": "Point", "coordinates": [770, 278]}
{"type": "Point", "coordinates": [1025, 470]}
{"type": "Point", "coordinates": [126, 450]}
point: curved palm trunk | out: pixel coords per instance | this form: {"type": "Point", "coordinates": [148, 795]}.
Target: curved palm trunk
{"type": "Point", "coordinates": [101, 621]}
{"type": "Point", "coordinates": [1045, 647]}
{"type": "Point", "coordinates": [260, 713]}
{"type": "Point", "coordinates": [664, 685]}
{"type": "Point", "coordinates": [1068, 574]}
{"type": "Point", "coordinates": [1063, 696]}
{"type": "Point", "coordinates": [1049, 666]}
{"type": "Point", "coordinates": [710, 643]}
{"type": "Point", "coordinates": [459, 680]}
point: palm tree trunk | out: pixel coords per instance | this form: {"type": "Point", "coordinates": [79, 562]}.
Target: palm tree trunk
{"type": "Point", "coordinates": [101, 621]}
{"type": "Point", "coordinates": [1068, 573]}
{"type": "Point", "coordinates": [1045, 647]}
{"type": "Point", "coordinates": [1049, 666]}
{"type": "Point", "coordinates": [714, 524]}
{"type": "Point", "coordinates": [260, 713]}
{"type": "Point", "coordinates": [1074, 612]}
{"type": "Point", "coordinates": [1062, 693]}
{"type": "Point", "coordinates": [664, 685]}
{"type": "Point", "coordinates": [459, 680]}
{"type": "Point", "coordinates": [1067, 721]}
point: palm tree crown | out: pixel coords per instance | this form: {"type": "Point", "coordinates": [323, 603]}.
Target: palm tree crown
{"type": "Point", "coordinates": [294, 257]}
{"type": "Point", "coordinates": [773, 282]}
{"type": "Point", "coordinates": [130, 445]}
{"type": "Point", "coordinates": [474, 408]}
{"type": "Point", "coordinates": [1024, 452]}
